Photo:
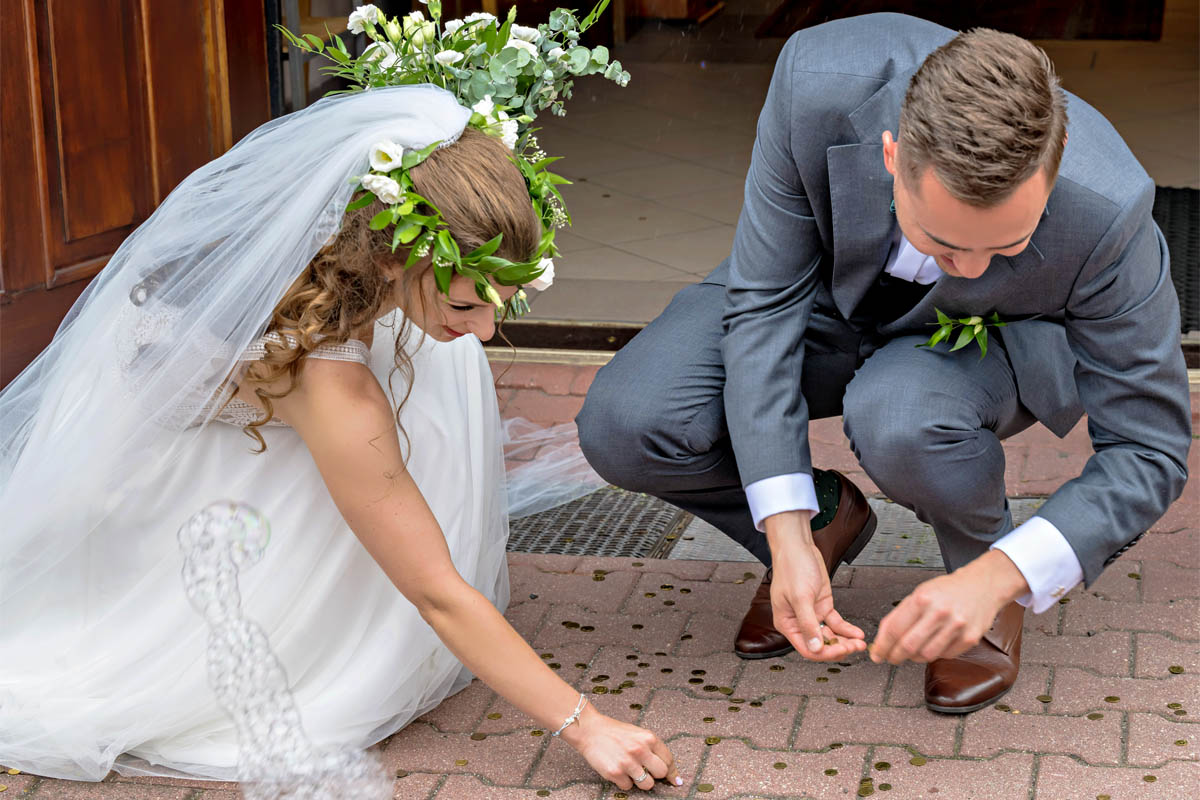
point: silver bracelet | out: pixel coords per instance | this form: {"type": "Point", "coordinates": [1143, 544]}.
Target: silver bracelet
{"type": "Point", "coordinates": [574, 714]}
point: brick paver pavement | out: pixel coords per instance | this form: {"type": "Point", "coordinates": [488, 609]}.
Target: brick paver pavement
{"type": "Point", "coordinates": [1107, 704]}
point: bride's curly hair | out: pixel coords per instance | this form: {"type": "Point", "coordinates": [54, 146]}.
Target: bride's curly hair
{"type": "Point", "coordinates": [480, 193]}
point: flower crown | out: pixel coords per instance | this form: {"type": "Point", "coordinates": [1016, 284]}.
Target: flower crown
{"type": "Point", "coordinates": [493, 68]}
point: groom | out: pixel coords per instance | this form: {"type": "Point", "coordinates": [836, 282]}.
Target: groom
{"type": "Point", "coordinates": [900, 170]}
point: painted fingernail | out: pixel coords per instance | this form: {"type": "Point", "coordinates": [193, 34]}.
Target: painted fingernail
{"type": "Point", "coordinates": [678, 781]}
{"type": "Point", "coordinates": [814, 644]}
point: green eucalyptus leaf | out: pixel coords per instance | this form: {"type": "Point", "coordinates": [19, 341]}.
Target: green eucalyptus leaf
{"type": "Point", "coordinates": [941, 334]}
{"type": "Point", "coordinates": [315, 41]}
{"type": "Point", "coordinates": [600, 55]}
{"type": "Point", "coordinates": [982, 339]}
{"type": "Point", "coordinates": [577, 58]}
{"type": "Point", "coordinates": [942, 318]}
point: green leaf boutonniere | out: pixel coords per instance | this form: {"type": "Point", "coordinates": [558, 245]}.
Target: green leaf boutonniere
{"type": "Point", "coordinates": [971, 328]}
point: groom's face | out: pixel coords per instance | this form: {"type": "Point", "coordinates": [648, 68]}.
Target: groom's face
{"type": "Point", "coordinates": [963, 238]}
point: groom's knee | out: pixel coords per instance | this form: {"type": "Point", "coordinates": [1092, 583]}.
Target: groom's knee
{"type": "Point", "coordinates": [611, 434]}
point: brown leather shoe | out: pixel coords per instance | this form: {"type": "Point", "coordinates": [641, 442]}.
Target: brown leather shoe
{"type": "Point", "coordinates": [980, 676]}
{"type": "Point", "coordinates": [840, 541]}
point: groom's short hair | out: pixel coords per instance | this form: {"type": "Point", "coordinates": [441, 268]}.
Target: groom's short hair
{"type": "Point", "coordinates": [985, 111]}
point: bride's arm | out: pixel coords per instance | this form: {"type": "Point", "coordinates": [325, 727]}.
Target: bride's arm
{"type": "Point", "coordinates": [344, 417]}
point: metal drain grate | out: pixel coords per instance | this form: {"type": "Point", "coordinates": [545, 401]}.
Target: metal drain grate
{"type": "Point", "coordinates": [608, 522]}
{"type": "Point", "coordinates": [1177, 212]}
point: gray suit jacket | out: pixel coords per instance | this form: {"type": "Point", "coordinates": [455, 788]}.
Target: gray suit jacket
{"type": "Point", "coordinates": [815, 230]}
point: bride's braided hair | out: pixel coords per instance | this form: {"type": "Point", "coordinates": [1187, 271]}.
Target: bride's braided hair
{"type": "Point", "coordinates": [480, 194]}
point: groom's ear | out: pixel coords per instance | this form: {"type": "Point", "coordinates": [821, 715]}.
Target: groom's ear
{"type": "Point", "coordinates": [891, 149]}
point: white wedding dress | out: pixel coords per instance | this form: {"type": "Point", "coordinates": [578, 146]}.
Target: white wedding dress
{"type": "Point", "coordinates": [102, 661]}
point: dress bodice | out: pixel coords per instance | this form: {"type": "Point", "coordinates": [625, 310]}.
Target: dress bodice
{"type": "Point", "coordinates": [239, 412]}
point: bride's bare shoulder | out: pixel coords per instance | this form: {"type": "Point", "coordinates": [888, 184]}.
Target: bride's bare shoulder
{"type": "Point", "coordinates": [326, 392]}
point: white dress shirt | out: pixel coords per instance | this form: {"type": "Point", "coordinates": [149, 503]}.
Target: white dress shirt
{"type": "Point", "coordinates": [1037, 548]}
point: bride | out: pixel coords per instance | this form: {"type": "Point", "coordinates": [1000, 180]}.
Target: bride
{"type": "Point", "coordinates": [255, 340]}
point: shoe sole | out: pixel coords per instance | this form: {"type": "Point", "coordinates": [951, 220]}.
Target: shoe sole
{"type": "Point", "coordinates": [856, 547]}
{"type": "Point", "coordinates": [964, 709]}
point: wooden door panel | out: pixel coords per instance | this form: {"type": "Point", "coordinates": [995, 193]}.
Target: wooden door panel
{"type": "Point", "coordinates": [107, 106]}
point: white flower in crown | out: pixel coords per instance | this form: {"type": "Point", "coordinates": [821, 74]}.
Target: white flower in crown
{"type": "Point", "coordinates": [382, 187]}
{"type": "Point", "coordinates": [448, 57]}
{"type": "Point", "coordinates": [519, 44]}
{"type": "Point", "coordinates": [478, 15]}
{"type": "Point", "coordinates": [386, 155]}
{"type": "Point", "coordinates": [362, 17]}
{"type": "Point", "coordinates": [546, 279]}
{"type": "Point", "coordinates": [555, 53]}
{"type": "Point", "coordinates": [384, 57]}
{"type": "Point", "coordinates": [508, 131]}
{"type": "Point", "coordinates": [450, 27]}
{"type": "Point", "coordinates": [524, 33]}
{"type": "Point", "coordinates": [484, 107]}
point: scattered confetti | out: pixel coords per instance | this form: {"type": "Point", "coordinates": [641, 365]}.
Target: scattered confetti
{"type": "Point", "coordinates": [917, 761]}
{"type": "Point", "coordinates": [831, 772]}
{"type": "Point", "coordinates": [1175, 669]}
{"type": "Point", "coordinates": [1112, 698]}
{"type": "Point", "coordinates": [536, 732]}
{"type": "Point", "coordinates": [1137, 576]}
{"type": "Point", "coordinates": [712, 740]}
{"type": "Point", "coordinates": [780, 765]}
{"type": "Point", "coordinates": [882, 766]}
{"type": "Point", "coordinates": [1149, 778]}
{"type": "Point", "coordinates": [1095, 715]}
{"type": "Point", "coordinates": [401, 773]}
{"type": "Point", "coordinates": [478, 737]}
{"type": "Point", "coordinates": [460, 762]}
{"type": "Point", "coordinates": [822, 679]}
{"type": "Point", "coordinates": [636, 706]}
{"type": "Point", "coordinates": [704, 787]}
{"type": "Point", "coordinates": [1044, 698]}
{"type": "Point", "coordinates": [1174, 705]}
{"type": "Point", "coordinates": [494, 715]}
{"type": "Point", "coordinates": [1180, 742]}
{"type": "Point", "coordinates": [710, 719]}
{"type": "Point", "coordinates": [833, 670]}
{"type": "Point", "coordinates": [885, 787]}
{"type": "Point", "coordinates": [777, 668]}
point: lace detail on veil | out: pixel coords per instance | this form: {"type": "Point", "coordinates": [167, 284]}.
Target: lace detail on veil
{"type": "Point", "coordinates": [140, 330]}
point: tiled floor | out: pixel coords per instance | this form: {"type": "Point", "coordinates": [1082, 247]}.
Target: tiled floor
{"type": "Point", "coordinates": [659, 165]}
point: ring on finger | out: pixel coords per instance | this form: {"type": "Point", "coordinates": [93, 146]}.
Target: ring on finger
{"type": "Point", "coordinates": [645, 774]}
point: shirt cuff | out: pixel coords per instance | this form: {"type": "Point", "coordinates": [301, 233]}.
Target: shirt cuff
{"type": "Point", "coordinates": [792, 492]}
{"type": "Point", "coordinates": [1044, 557]}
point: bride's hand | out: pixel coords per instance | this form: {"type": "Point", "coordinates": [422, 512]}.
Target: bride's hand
{"type": "Point", "coordinates": [620, 752]}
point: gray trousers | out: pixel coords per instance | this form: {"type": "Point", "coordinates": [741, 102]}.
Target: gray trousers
{"type": "Point", "coordinates": [925, 424]}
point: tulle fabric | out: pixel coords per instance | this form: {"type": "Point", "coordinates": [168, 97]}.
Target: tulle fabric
{"type": "Point", "coordinates": [103, 660]}
{"type": "Point", "coordinates": [545, 467]}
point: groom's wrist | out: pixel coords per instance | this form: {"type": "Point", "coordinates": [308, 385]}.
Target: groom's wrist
{"type": "Point", "coordinates": [788, 529]}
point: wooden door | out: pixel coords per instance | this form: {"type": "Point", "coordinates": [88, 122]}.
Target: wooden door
{"type": "Point", "coordinates": [107, 105]}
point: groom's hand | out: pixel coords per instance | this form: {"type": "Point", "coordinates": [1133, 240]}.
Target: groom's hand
{"type": "Point", "coordinates": [945, 616]}
{"type": "Point", "coordinates": [801, 597]}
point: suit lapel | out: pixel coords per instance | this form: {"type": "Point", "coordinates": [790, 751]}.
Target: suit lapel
{"type": "Point", "coordinates": [861, 195]}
